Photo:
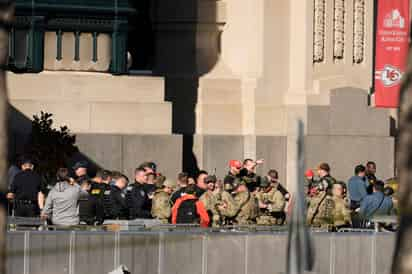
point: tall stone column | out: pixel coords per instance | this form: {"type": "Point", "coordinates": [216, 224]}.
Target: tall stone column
{"type": "Point", "coordinates": [300, 76]}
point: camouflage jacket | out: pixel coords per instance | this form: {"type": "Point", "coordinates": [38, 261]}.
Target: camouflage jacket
{"type": "Point", "coordinates": [273, 199]}
{"type": "Point", "coordinates": [247, 208]}
{"type": "Point", "coordinates": [320, 210]}
{"type": "Point", "coordinates": [161, 208]}
{"type": "Point", "coordinates": [213, 201]}
{"type": "Point", "coordinates": [341, 212]}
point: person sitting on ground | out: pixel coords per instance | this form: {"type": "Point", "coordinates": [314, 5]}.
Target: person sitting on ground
{"type": "Point", "coordinates": [62, 203]}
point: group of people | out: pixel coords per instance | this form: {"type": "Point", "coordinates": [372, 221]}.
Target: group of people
{"type": "Point", "coordinates": [240, 198]}
{"type": "Point", "coordinates": [335, 204]}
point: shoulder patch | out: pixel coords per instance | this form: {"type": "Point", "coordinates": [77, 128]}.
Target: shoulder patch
{"type": "Point", "coordinates": [95, 191]}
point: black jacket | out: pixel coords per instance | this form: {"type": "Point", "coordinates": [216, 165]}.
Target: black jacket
{"type": "Point", "coordinates": [138, 202]}
{"type": "Point", "coordinates": [26, 186]}
{"type": "Point", "coordinates": [115, 205]}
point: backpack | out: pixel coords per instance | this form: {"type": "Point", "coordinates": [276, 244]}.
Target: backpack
{"type": "Point", "coordinates": [187, 212]}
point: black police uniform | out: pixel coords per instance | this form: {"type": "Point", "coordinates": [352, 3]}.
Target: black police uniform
{"type": "Point", "coordinates": [115, 205]}
{"type": "Point", "coordinates": [91, 207]}
{"type": "Point", "coordinates": [26, 187]}
{"type": "Point", "coordinates": [371, 179]}
{"type": "Point", "coordinates": [138, 201]}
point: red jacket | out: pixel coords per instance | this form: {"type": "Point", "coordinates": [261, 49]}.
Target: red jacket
{"type": "Point", "coordinates": [200, 209]}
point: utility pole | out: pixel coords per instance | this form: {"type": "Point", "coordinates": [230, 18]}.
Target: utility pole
{"type": "Point", "coordinates": [6, 15]}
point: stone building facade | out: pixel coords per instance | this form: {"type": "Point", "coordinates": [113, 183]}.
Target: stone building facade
{"type": "Point", "coordinates": [229, 79]}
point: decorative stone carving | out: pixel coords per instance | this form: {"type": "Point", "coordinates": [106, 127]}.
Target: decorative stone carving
{"type": "Point", "coordinates": [319, 31]}
{"type": "Point", "coordinates": [358, 31]}
{"type": "Point", "coordinates": [339, 29]}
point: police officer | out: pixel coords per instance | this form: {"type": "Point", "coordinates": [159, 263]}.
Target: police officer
{"type": "Point", "coordinates": [115, 205]}
{"type": "Point", "coordinates": [26, 191]}
{"type": "Point", "coordinates": [248, 173]}
{"type": "Point", "coordinates": [246, 204]}
{"type": "Point", "coordinates": [91, 207]}
{"type": "Point", "coordinates": [271, 204]}
{"type": "Point", "coordinates": [321, 210]}
{"type": "Point", "coordinates": [371, 175]}
{"type": "Point", "coordinates": [341, 211]}
{"type": "Point", "coordinates": [161, 207]}
{"type": "Point", "coordinates": [137, 199]}
{"type": "Point", "coordinates": [80, 171]}
{"type": "Point", "coordinates": [326, 181]}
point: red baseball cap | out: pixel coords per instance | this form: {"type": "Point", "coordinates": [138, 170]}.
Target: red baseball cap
{"type": "Point", "coordinates": [235, 163]}
{"type": "Point", "coordinates": [309, 173]}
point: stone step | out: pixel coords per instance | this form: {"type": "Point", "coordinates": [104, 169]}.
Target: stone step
{"type": "Point", "coordinates": [85, 87]}
{"type": "Point", "coordinates": [103, 117]}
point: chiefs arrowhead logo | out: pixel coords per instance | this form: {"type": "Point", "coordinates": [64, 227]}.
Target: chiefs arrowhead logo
{"type": "Point", "coordinates": [389, 75]}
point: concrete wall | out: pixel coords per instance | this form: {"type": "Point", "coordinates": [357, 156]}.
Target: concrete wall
{"type": "Point", "coordinates": [348, 133]}
{"type": "Point", "coordinates": [94, 102]}
{"type": "Point", "coordinates": [181, 253]}
{"type": "Point", "coordinates": [126, 152]}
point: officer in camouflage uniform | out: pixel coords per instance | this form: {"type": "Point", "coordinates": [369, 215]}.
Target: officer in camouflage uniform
{"type": "Point", "coordinates": [341, 212]}
{"type": "Point", "coordinates": [208, 198]}
{"type": "Point", "coordinates": [321, 210]}
{"type": "Point", "coordinates": [271, 204]}
{"type": "Point", "coordinates": [218, 202]}
{"type": "Point", "coordinates": [248, 174]}
{"type": "Point", "coordinates": [246, 204]}
{"type": "Point", "coordinates": [161, 207]}
{"type": "Point", "coordinates": [326, 181]}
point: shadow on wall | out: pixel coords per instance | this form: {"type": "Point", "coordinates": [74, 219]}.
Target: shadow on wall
{"type": "Point", "coordinates": [19, 134]}
{"type": "Point", "coordinates": [187, 46]}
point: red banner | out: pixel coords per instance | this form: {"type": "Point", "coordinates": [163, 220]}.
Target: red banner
{"type": "Point", "coordinates": [392, 41]}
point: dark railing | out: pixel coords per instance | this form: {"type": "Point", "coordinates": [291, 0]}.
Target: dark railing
{"type": "Point", "coordinates": [35, 17]}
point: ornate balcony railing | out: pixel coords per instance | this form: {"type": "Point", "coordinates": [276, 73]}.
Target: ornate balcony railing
{"type": "Point", "coordinates": [70, 35]}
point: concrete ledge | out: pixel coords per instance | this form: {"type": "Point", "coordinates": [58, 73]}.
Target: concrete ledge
{"type": "Point", "coordinates": [85, 87]}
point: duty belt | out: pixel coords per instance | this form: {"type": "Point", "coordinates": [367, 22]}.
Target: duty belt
{"type": "Point", "coordinates": [25, 202]}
